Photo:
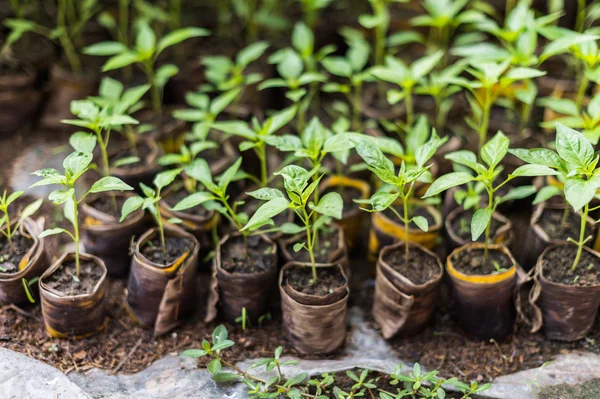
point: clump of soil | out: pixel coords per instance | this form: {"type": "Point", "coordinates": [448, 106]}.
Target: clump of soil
{"type": "Point", "coordinates": [348, 195]}
{"type": "Point", "coordinates": [10, 257]}
{"type": "Point", "coordinates": [551, 221]}
{"type": "Point", "coordinates": [471, 262]}
{"type": "Point", "coordinates": [175, 248]}
{"type": "Point", "coordinates": [143, 150]}
{"type": "Point", "coordinates": [461, 226]}
{"type": "Point", "coordinates": [175, 197]}
{"type": "Point", "coordinates": [413, 211]}
{"type": "Point", "coordinates": [257, 259]}
{"type": "Point", "coordinates": [65, 279]}
{"type": "Point", "coordinates": [300, 278]}
{"type": "Point", "coordinates": [421, 267]}
{"type": "Point", "coordinates": [326, 244]}
{"type": "Point", "coordinates": [105, 204]}
{"type": "Point", "coordinates": [557, 265]}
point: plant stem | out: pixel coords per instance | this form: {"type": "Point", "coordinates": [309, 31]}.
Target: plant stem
{"type": "Point", "coordinates": [485, 120]}
{"type": "Point", "coordinates": [580, 15]}
{"type": "Point", "coordinates": [409, 108]}
{"type": "Point", "coordinates": [406, 240]}
{"type": "Point", "coordinates": [154, 92]}
{"type": "Point", "coordinates": [356, 106]}
{"type": "Point", "coordinates": [310, 244]}
{"type": "Point", "coordinates": [262, 157]}
{"type": "Point", "coordinates": [439, 120]}
{"type": "Point", "coordinates": [124, 33]}
{"type": "Point", "coordinates": [490, 191]}
{"type": "Point", "coordinates": [584, 217]}
{"type": "Point", "coordinates": [76, 236]}
{"type": "Point", "coordinates": [65, 39]}
{"type": "Point", "coordinates": [8, 232]}
{"type": "Point", "coordinates": [161, 230]}
{"type": "Point", "coordinates": [583, 85]}
{"type": "Point", "coordinates": [565, 216]}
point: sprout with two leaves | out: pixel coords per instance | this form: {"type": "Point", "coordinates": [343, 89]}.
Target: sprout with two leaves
{"type": "Point", "coordinates": [7, 231]}
{"type": "Point", "coordinates": [314, 216]}
{"type": "Point", "coordinates": [402, 183]}
{"type": "Point", "coordinates": [576, 163]}
{"type": "Point", "coordinates": [75, 166]}
{"type": "Point", "coordinates": [145, 53]}
{"type": "Point", "coordinates": [492, 154]}
{"type": "Point", "coordinates": [258, 135]}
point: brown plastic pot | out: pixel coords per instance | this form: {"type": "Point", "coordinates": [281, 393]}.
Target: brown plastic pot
{"type": "Point", "coordinates": [158, 297]}
{"type": "Point", "coordinates": [352, 218]}
{"type": "Point", "coordinates": [314, 325]}
{"type": "Point", "coordinates": [337, 255]}
{"type": "Point", "coordinates": [232, 292]}
{"type": "Point", "coordinates": [401, 307]}
{"type": "Point", "coordinates": [103, 235]}
{"type": "Point", "coordinates": [64, 88]}
{"type": "Point", "coordinates": [566, 312]}
{"type": "Point", "coordinates": [32, 265]}
{"type": "Point", "coordinates": [484, 304]}
{"type": "Point", "coordinates": [73, 316]}
{"type": "Point", "coordinates": [502, 235]}
{"type": "Point", "coordinates": [141, 172]}
{"type": "Point", "coordinates": [385, 231]}
{"type": "Point", "coordinates": [19, 99]}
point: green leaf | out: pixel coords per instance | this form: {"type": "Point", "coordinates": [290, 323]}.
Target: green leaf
{"type": "Point", "coordinates": [266, 193]}
{"type": "Point", "coordinates": [579, 192]}
{"type": "Point", "coordinates": [295, 178]}
{"type": "Point", "coordinates": [481, 218]}
{"type": "Point", "coordinates": [421, 222]}
{"type": "Point", "coordinates": [225, 377]}
{"type": "Point", "coordinates": [214, 367]}
{"type": "Point", "coordinates": [31, 208]}
{"type": "Point", "coordinates": [534, 170]}
{"type": "Point", "coordinates": [251, 53]}
{"type": "Point", "coordinates": [164, 73]}
{"type": "Point", "coordinates": [77, 163]}
{"type": "Point", "coordinates": [105, 49]}
{"type": "Point", "coordinates": [193, 200]}
{"type": "Point", "coordinates": [228, 175]}
{"type": "Point", "coordinates": [221, 102]}
{"type": "Point", "coordinates": [109, 183]}
{"type": "Point", "coordinates": [61, 196]}
{"type": "Point", "coordinates": [200, 171]}
{"type": "Point", "coordinates": [51, 232]}
{"type": "Point", "coordinates": [447, 181]}
{"type": "Point", "coordinates": [110, 89]}
{"type": "Point", "coordinates": [517, 193]}
{"type": "Point", "coordinates": [303, 39]}
{"type": "Point", "coordinates": [83, 142]}
{"type": "Point", "coordinates": [466, 158]}
{"type": "Point", "coordinates": [374, 158]}
{"type": "Point", "coordinates": [290, 66]}
{"type": "Point", "coordinates": [379, 201]}
{"type": "Point", "coordinates": [145, 41]}
{"type": "Point", "coordinates": [130, 205]}
{"type": "Point", "coordinates": [331, 204]}
{"type": "Point", "coordinates": [561, 105]}
{"type": "Point", "coordinates": [337, 66]}
{"type": "Point", "coordinates": [126, 161]}
{"type": "Point", "coordinates": [266, 212]}
{"type": "Point", "coordinates": [179, 36]}
{"type": "Point", "coordinates": [291, 228]}
{"type": "Point", "coordinates": [163, 179]}
{"type": "Point", "coordinates": [298, 246]}
{"type": "Point", "coordinates": [494, 150]}
{"type": "Point", "coordinates": [280, 119]}
{"type": "Point", "coordinates": [194, 353]}
{"type": "Point", "coordinates": [120, 61]}
{"type": "Point", "coordinates": [546, 193]}
{"type": "Point", "coordinates": [539, 156]}
{"type": "Point", "coordinates": [426, 151]}
{"type": "Point", "coordinates": [424, 65]}
{"type": "Point", "coordinates": [573, 147]}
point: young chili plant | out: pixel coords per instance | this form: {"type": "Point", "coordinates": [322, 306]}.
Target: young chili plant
{"type": "Point", "coordinates": [145, 54]}
{"type": "Point", "coordinates": [492, 153]}
{"type": "Point", "coordinates": [576, 162]}
{"type": "Point", "coordinates": [7, 231]}
{"type": "Point", "coordinates": [314, 216]}
{"type": "Point", "coordinates": [588, 119]}
{"type": "Point", "coordinates": [75, 166]}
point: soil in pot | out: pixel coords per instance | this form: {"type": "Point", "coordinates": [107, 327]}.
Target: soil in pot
{"type": "Point", "coordinates": [348, 195]}
{"type": "Point", "coordinates": [327, 242]}
{"type": "Point", "coordinates": [558, 262]}
{"type": "Point", "coordinates": [256, 258]}
{"type": "Point", "coordinates": [421, 267]}
{"type": "Point", "coordinates": [175, 197]}
{"type": "Point", "coordinates": [176, 247]}
{"type": "Point", "coordinates": [462, 226]}
{"type": "Point", "coordinates": [12, 256]}
{"type": "Point", "coordinates": [328, 280]}
{"type": "Point", "coordinates": [551, 221]}
{"type": "Point", "coordinates": [63, 280]}
{"type": "Point", "coordinates": [470, 262]}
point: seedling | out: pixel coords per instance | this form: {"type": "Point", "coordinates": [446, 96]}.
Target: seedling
{"type": "Point", "coordinates": [588, 119]}
{"type": "Point", "coordinates": [379, 21]}
{"type": "Point", "coordinates": [145, 54]}
{"type": "Point", "coordinates": [311, 10]}
{"type": "Point", "coordinates": [29, 210]}
{"type": "Point", "coordinates": [359, 388]}
{"type": "Point", "coordinates": [402, 183]}
{"type": "Point", "coordinates": [492, 153]}
{"type": "Point", "coordinates": [150, 201]}
{"type": "Point", "coordinates": [353, 69]}
{"type": "Point", "coordinates": [576, 162]}
{"type": "Point", "coordinates": [257, 15]}
{"type": "Point", "coordinates": [243, 319]}
{"type": "Point", "coordinates": [27, 288]}
{"type": "Point", "coordinates": [299, 191]}
{"type": "Point", "coordinates": [257, 135]}
{"type": "Point", "coordinates": [75, 165]}
{"type": "Point", "coordinates": [406, 78]}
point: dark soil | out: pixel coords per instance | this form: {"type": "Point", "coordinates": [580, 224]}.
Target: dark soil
{"type": "Point", "coordinates": [10, 257]}
{"type": "Point", "coordinates": [143, 150]}
{"type": "Point", "coordinates": [558, 262]}
{"type": "Point", "coordinates": [421, 267]}
{"type": "Point", "coordinates": [105, 204]}
{"type": "Point", "coordinates": [257, 259]}
{"type": "Point", "coordinates": [173, 199]}
{"type": "Point", "coordinates": [414, 211]}
{"type": "Point", "coordinates": [348, 195]}
{"type": "Point", "coordinates": [65, 281]}
{"type": "Point", "coordinates": [176, 247]}
{"type": "Point", "coordinates": [327, 242]}
{"type": "Point", "coordinates": [462, 226]}
{"type": "Point", "coordinates": [300, 279]}
{"type": "Point", "coordinates": [471, 262]}
{"type": "Point", "coordinates": [551, 223]}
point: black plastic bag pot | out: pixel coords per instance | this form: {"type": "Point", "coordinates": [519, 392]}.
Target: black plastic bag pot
{"type": "Point", "coordinates": [233, 291]}
{"type": "Point", "coordinates": [32, 265]}
{"type": "Point", "coordinates": [103, 235]}
{"type": "Point", "coordinates": [158, 296]}
{"type": "Point", "coordinates": [484, 304]}
{"type": "Point", "coordinates": [313, 324]}
{"type": "Point", "coordinates": [73, 316]}
{"type": "Point", "coordinates": [565, 312]}
{"type": "Point", "coordinates": [19, 99]}
{"type": "Point", "coordinates": [502, 235]}
{"type": "Point", "coordinates": [400, 306]}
